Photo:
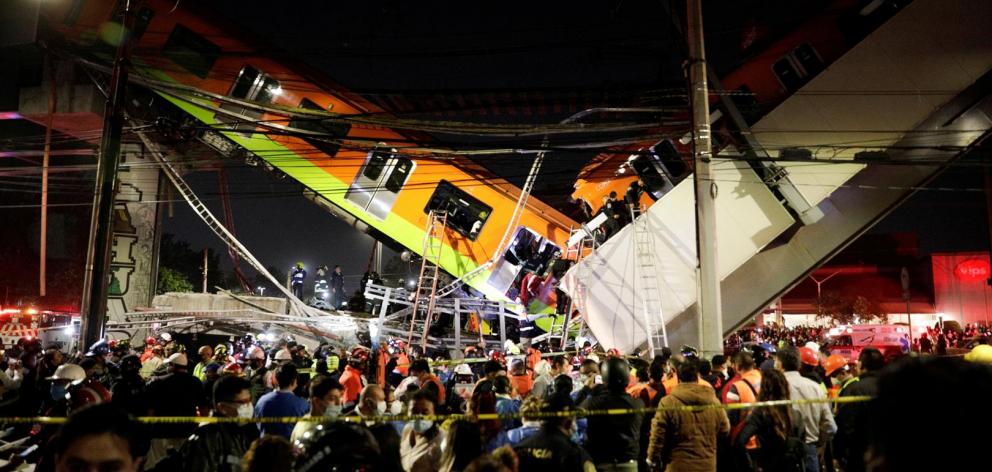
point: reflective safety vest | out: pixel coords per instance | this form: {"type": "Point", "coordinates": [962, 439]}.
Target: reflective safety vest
{"type": "Point", "coordinates": [440, 388]}
{"type": "Point", "coordinates": [638, 389]}
{"type": "Point", "coordinates": [747, 391]}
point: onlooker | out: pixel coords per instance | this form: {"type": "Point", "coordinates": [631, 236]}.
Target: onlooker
{"type": "Point", "coordinates": [219, 446]}
{"type": "Point", "coordinates": [851, 442]}
{"type": "Point", "coordinates": [506, 403]}
{"type": "Point", "coordinates": [325, 401]}
{"type": "Point", "coordinates": [420, 444]}
{"type": "Point", "coordinates": [461, 446]}
{"type": "Point", "coordinates": [687, 440]}
{"type": "Point", "coordinates": [531, 409]}
{"type": "Point", "coordinates": [818, 421]}
{"type": "Point", "coordinates": [613, 440]}
{"type": "Point", "coordinates": [341, 446]}
{"type": "Point", "coordinates": [777, 431]}
{"type": "Point", "coordinates": [371, 402]}
{"type": "Point", "coordinates": [947, 440]}
{"type": "Point", "coordinates": [100, 437]}
{"type": "Point", "coordinates": [281, 403]}
{"type": "Point", "coordinates": [176, 393]}
{"type": "Point", "coordinates": [501, 460]}
{"type": "Point", "coordinates": [268, 454]}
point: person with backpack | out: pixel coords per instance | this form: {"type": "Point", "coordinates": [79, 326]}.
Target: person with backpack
{"type": "Point", "coordinates": [816, 418]}
{"type": "Point", "coordinates": [781, 450]}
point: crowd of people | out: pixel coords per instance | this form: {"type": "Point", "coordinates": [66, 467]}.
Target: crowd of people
{"type": "Point", "coordinates": [773, 334]}
{"type": "Point", "coordinates": [541, 398]}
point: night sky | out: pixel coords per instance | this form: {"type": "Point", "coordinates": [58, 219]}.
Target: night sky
{"type": "Point", "coordinates": [424, 48]}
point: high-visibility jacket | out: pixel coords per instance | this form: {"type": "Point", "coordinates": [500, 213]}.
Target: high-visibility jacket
{"type": "Point", "coordinates": [533, 357]}
{"type": "Point", "coordinates": [402, 364]}
{"type": "Point", "coordinates": [440, 388]}
{"type": "Point", "coordinates": [381, 360]}
{"type": "Point", "coordinates": [745, 394]}
{"type": "Point", "coordinates": [351, 381]}
{"type": "Point", "coordinates": [522, 383]}
{"type": "Point", "coordinates": [643, 391]}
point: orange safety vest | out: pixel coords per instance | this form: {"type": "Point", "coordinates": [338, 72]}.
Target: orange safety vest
{"type": "Point", "coordinates": [402, 364]}
{"type": "Point", "coordinates": [637, 390]}
{"type": "Point", "coordinates": [440, 388]}
{"type": "Point", "coordinates": [351, 380]}
{"type": "Point", "coordinates": [382, 359]}
{"type": "Point", "coordinates": [746, 395]}
{"type": "Point", "coordinates": [533, 357]}
{"type": "Point", "coordinates": [522, 383]}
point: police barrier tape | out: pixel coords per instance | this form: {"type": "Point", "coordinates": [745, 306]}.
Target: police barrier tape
{"type": "Point", "coordinates": [576, 413]}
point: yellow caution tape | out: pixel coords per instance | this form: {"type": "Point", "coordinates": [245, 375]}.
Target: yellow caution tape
{"type": "Point", "coordinates": [577, 413]}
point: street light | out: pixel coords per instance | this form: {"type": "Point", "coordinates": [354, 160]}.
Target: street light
{"type": "Point", "coordinates": [261, 291]}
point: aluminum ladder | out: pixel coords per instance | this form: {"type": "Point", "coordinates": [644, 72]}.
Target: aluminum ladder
{"type": "Point", "coordinates": [649, 287]}
{"type": "Point", "coordinates": [426, 297]}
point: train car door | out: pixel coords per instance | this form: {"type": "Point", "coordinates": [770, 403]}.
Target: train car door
{"type": "Point", "coordinates": [379, 182]}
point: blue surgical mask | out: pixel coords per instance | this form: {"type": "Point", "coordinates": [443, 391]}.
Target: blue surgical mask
{"type": "Point", "coordinates": [421, 426]}
{"type": "Point", "coordinates": [333, 411]}
{"type": "Point", "coordinates": [58, 392]}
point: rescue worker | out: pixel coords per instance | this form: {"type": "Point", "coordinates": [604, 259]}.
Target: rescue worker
{"type": "Point", "coordinates": [129, 391]}
{"type": "Point", "coordinates": [205, 353]}
{"type": "Point", "coordinates": [840, 374]}
{"type": "Point", "coordinates": [257, 372]}
{"type": "Point", "coordinates": [633, 197]}
{"type": "Point", "coordinates": [742, 388]}
{"type": "Point", "coordinates": [353, 380]}
{"type": "Point", "coordinates": [337, 287]}
{"type": "Point", "coordinates": [106, 371]}
{"type": "Point", "coordinates": [428, 381]}
{"type": "Point", "coordinates": [613, 441]}
{"type": "Point", "coordinates": [299, 276]}
{"type": "Point", "coordinates": [521, 378]}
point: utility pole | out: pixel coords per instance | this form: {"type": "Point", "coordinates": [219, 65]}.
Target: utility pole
{"type": "Point", "coordinates": [43, 243]}
{"type": "Point", "coordinates": [707, 276]}
{"type": "Point", "coordinates": [96, 282]}
{"type": "Point", "coordinates": [204, 270]}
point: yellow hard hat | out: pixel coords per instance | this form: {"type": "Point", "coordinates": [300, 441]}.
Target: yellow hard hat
{"type": "Point", "coordinates": [981, 354]}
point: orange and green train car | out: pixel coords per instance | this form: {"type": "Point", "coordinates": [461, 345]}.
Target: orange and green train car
{"type": "Point", "coordinates": [387, 190]}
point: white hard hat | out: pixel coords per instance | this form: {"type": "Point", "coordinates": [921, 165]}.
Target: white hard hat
{"type": "Point", "coordinates": [814, 346]}
{"type": "Point", "coordinates": [256, 352]}
{"type": "Point", "coordinates": [463, 369]}
{"type": "Point", "coordinates": [69, 372]}
{"type": "Point", "coordinates": [283, 355]}
{"type": "Point", "coordinates": [166, 337]}
{"type": "Point", "coordinates": [177, 359]}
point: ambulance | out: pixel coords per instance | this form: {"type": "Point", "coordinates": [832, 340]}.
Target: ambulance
{"type": "Point", "coordinates": [848, 341]}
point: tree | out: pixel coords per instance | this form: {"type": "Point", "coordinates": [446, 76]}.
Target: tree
{"type": "Point", "coordinates": [849, 309]}
{"type": "Point", "coordinates": [183, 259]}
{"type": "Point", "coordinates": [172, 281]}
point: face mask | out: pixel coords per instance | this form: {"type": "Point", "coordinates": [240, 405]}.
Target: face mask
{"type": "Point", "coordinates": [246, 411]}
{"type": "Point", "coordinates": [58, 392]}
{"type": "Point", "coordinates": [380, 407]}
{"type": "Point", "coordinates": [396, 408]}
{"type": "Point", "coordinates": [421, 426]}
{"type": "Point", "coordinates": [333, 411]}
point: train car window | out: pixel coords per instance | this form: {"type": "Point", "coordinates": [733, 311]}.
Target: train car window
{"type": "Point", "coordinates": [395, 181]}
{"type": "Point", "coordinates": [787, 74]}
{"type": "Point", "coordinates": [466, 214]}
{"type": "Point", "coordinates": [193, 52]}
{"type": "Point", "coordinates": [655, 183]}
{"type": "Point", "coordinates": [377, 163]}
{"type": "Point", "coordinates": [808, 59]}
{"type": "Point", "coordinates": [334, 130]}
{"type": "Point", "coordinates": [246, 79]}
{"type": "Point", "coordinates": [671, 160]}
{"type": "Point", "coordinates": [267, 92]}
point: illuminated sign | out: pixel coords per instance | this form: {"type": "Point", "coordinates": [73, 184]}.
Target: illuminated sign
{"type": "Point", "coordinates": [973, 270]}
